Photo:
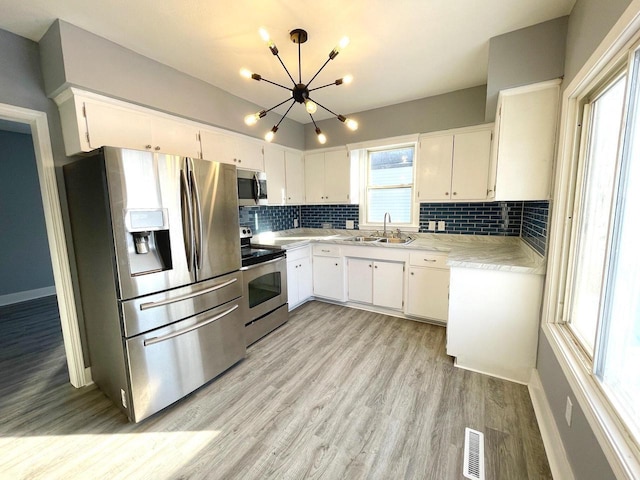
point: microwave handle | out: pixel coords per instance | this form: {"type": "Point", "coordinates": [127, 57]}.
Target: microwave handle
{"type": "Point", "coordinates": [257, 190]}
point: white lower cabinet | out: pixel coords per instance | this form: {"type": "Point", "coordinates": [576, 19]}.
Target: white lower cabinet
{"type": "Point", "coordinates": [328, 272]}
{"type": "Point", "coordinates": [376, 282]}
{"type": "Point", "coordinates": [299, 277]}
{"type": "Point", "coordinates": [428, 286]}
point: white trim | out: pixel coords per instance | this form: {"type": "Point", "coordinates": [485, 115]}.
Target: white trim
{"type": "Point", "coordinates": [554, 448]}
{"type": "Point", "coordinates": [384, 142]}
{"type": "Point", "coordinates": [55, 235]}
{"type": "Point", "coordinates": [619, 449]}
{"type": "Point", "coordinates": [26, 295]}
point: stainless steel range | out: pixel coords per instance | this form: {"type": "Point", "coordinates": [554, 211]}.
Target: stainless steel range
{"type": "Point", "coordinates": [264, 275]}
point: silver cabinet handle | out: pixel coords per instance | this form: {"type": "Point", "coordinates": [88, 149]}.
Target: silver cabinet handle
{"type": "Point", "coordinates": [157, 147]}
{"type": "Point", "coordinates": [154, 340]}
{"type": "Point", "coordinates": [148, 147]}
{"type": "Point", "coordinates": [326, 251]}
{"type": "Point", "coordinates": [179, 298]}
{"type": "Point", "coordinates": [455, 193]}
{"type": "Point", "coordinates": [429, 260]}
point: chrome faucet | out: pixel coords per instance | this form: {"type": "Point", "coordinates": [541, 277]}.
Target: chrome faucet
{"type": "Point", "coordinates": [384, 231]}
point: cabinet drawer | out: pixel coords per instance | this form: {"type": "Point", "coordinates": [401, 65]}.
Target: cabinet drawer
{"type": "Point", "coordinates": [428, 259]}
{"type": "Point", "coordinates": [326, 250]}
{"type": "Point", "coordinates": [298, 253]}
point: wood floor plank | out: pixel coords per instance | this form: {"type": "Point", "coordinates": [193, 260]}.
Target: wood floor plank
{"type": "Point", "coordinates": [336, 393]}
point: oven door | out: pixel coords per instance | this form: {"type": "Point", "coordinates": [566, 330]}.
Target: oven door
{"type": "Point", "coordinates": [265, 287]}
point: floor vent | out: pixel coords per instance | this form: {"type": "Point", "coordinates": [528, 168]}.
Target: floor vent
{"type": "Point", "coordinates": [473, 454]}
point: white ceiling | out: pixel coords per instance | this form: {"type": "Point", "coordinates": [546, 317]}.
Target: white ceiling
{"type": "Point", "coordinates": [400, 50]}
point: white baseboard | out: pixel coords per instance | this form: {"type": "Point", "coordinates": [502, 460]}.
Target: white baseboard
{"type": "Point", "coordinates": [27, 295]}
{"type": "Point", "coordinates": [556, 454]}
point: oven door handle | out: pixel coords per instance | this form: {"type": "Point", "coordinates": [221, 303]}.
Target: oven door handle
{"type": "Point", "coordinates": [179, 298]}
{"type": "Point", "coordinates": [154, 340]}
{"type": "Point", "coordinates": [262, 263]}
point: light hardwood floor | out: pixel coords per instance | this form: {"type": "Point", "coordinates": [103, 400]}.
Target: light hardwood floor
{"type": "Point", "coordinates": [335, 393]}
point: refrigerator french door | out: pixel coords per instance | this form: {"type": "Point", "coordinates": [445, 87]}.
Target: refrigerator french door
{"type": "Point", "coordinates": [156, 243]}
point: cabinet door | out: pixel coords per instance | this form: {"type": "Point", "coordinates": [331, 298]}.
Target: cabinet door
{"type": "Point", "coordinates": [328, 279]}
{"type": "Point", "coordinates": [292, 283]}
{"type": "Point", "coordinates": [471, 158]}
{"type": "Point", "coordinates": [217, 147]}
{"type": "Point", "coordinates": [434, 168]}
{"type": "Point", "coordinates": [274, 167]}
{"type": "Point", "coordinates": [294, 173]}
{"type": "Point", "coordinates": [360, 280]}
{"type": "Point", "coordinates": [314, 177]}
{"type": "Point", "coordinates": [388, 284]}
{"type": "Point", "coordinates": [337, 174]}
{"type": "Point", "coordinates": [112, 126]}
{"type": "Point", "coordinates": [175, 138]}
{"type": "Point", "coordinates": [249, 155]}
{"type": "Point", "coordinates": [428, 293]}
{"type": "Point", "coordinates": [305, 280]}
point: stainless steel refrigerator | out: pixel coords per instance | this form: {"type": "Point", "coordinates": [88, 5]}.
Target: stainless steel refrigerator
{"type": "Point", "coordinates": [157, 252]}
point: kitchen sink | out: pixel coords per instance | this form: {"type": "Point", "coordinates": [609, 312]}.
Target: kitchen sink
{"type": "Point", "coordinates": [400, 241]}
{"type": "Point", "coordinates": [362, 239]}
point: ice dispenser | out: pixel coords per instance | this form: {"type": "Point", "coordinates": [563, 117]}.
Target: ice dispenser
{"type": "Point", "coordinates": [149, 248]}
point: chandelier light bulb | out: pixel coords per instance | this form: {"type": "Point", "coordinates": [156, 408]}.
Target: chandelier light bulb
{"type": "Point", "coordinates": [351, 124]}
{"type": "Point", "coordinates": [347, 79]}
{"type": "Point", "coordinates": [310, 106]}
{"type": "Point", "coordinates": [246, 73]}
{"type": "Point", "coordinates": [252, 119]}
{"type": "Point", "coordinates": [322, 138]}
{"type": "Point", "coordinates": [270, 134]}
{"type": "Point", "coordinates": [344, 42]}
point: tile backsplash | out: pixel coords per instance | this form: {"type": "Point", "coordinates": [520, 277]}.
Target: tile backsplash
{"type": "Point", "coordinates": [526, 219]}
{"type": "Point", "coordinates": [535, 220]}
{"type": "Point", "coordinates": [478, 218]}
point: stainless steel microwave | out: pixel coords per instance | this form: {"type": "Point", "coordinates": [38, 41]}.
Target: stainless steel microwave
{"type": "Point", "coordinates": [252, 188]}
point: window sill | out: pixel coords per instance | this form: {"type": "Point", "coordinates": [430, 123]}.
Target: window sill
{"type": "Point", "coordinates": [620, 449]}
{"type": "Point", "coordinates": [391, 228]}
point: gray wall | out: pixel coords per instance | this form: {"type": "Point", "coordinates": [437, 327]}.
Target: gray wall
{"type": "Point", "coordinates": [530, 55]}
{"type": "Point", "coordinates": [75, 57]}
{"type": "Point", "coordinates": [25, 263]}
{"type": "Point", "coordinates": [450, 110]}
{"type": "Point", "coordinates": [589, 23]}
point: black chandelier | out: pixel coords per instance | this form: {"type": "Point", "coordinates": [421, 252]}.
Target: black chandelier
{"type": "Point", "coordinates": [300, 91]}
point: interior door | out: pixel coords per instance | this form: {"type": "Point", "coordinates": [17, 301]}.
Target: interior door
{"type": "Point", "coordinates": [216, 226]}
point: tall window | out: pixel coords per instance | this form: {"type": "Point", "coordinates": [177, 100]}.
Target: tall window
{"type": "Point", "coordinates": [390, 185]}
{"type": "Point", "coordinates": [603, 289]}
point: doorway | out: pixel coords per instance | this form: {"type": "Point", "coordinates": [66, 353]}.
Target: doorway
{"type": "Point", "coordinates": [37, 122]}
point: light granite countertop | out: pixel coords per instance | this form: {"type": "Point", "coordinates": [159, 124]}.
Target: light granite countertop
{"type": "Point", "coordinates": [469, 251]}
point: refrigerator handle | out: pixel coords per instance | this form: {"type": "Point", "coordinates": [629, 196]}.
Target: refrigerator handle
{"type": "Point", "coordinates": [197, 219]}
{"type": "Point", "coordinates": [187, 216]}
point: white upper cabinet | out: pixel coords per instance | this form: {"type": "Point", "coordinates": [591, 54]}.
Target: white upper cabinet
{"type": "Point", "coordinates": [454, 165]}
{"type": "Point", "coordinates": [294, 170]}
{"type": "Point", "coordinates": [274, 167]}
{"type": "Point", "coordinates": [328, 177]}
{"type": "Point", "coordinates": [242, 152]}
{"type": "Point", "coordinates": [524, 147]}
{"type": "Point", "coordinates": [112, 125]}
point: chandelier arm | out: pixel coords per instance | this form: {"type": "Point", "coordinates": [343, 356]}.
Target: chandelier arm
{"type": "Point", "coordinates": [286, 70]}
{"type": "Point", "coordinates": [321, 68]}
{"type": "Point", "coordinates": [276, 106]}
{"type": "Point", "coordinates": [299, 64]}
{"type": "Point", "coordinates": [285, 113]}
{"type": "Point", "coordinates": [323, 86]}
{"type": "Point", "coordinates": [322, 106]}
{"type": "Point", "coordinates": [274, 83]}
{"type": "Point", "coordinates": [314, 122]}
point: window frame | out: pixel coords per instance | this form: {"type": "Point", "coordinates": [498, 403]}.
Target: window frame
{"type": "Point", "coordinates": [621, 450]}
{"type": "Point", "coordinates": [360, 152]}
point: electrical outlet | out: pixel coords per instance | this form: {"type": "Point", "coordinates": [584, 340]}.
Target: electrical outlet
{"type": "Point", "coordinates": [441, 226]}
{"type": "Point", "coordinates": [295, 223]}
{"type": "Point", "coordinates": [568, 411]}
{"type": "Point", "coordinates": [349, 224]}
{"type": "Point", "coordinates": [432, 225]}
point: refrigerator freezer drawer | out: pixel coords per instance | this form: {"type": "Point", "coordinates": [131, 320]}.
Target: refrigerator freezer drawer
{"type": "Point", "coordinates": [153, 311]}
{"type": "Point", "coordinates": [169, 363]}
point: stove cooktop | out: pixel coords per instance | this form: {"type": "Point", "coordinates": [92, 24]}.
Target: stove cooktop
{"type": "Point", "coordinates": [253, 256]}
